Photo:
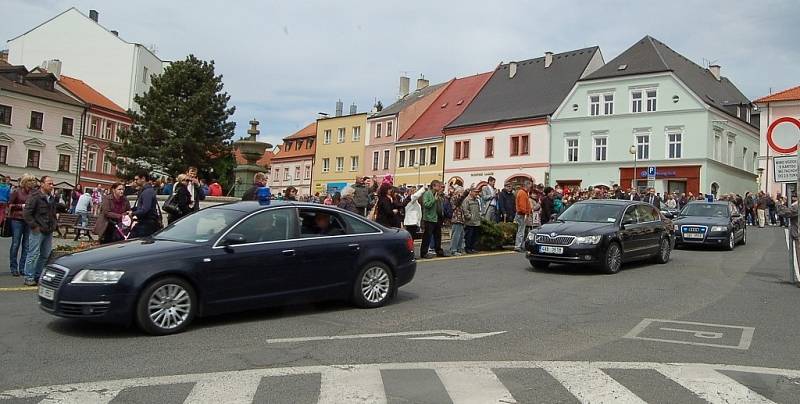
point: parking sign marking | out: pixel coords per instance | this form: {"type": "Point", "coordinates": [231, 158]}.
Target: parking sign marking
{"type": "Point", "coordinates": [745, 338]}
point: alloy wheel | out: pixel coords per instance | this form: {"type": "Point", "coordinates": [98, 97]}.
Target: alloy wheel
{"type": "Point", "coordinates": [169, 306]}
{"type": "Point", "coordinates": [375, 284]}
{"type": "Point", "coordinates": [614, 258]}
{"type": "Point", "coordinates": [665, 250]}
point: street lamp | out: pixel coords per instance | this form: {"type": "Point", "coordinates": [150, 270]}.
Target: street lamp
{"type": "Point", "coordinates": [634, 183]}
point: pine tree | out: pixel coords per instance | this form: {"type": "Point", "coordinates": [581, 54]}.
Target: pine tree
{"type": "Point", "coordinates": [182, 122]}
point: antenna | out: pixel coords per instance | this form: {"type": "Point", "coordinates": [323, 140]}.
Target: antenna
{"type": "Point", "coordinates": [153, 48]}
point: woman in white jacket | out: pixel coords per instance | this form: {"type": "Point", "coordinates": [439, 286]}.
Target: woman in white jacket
{"type": "Point", "coordinates": [413, 210]}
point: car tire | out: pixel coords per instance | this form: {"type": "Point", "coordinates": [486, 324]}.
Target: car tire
{"type": "Point", "coordinates": [731, 241]}
{"type": "Point", "coordinates": [540, 265]}
{"type": "Point", "coordinates": [374, 286]}
{"type": "Point", "coordinates": [664, 250]}
{"type": "Point", "coordinates": [612, 259]}
{"type": "Point", "coordinates": [166, 306]}
{"type": "Point", "coordinates": [744, 237]}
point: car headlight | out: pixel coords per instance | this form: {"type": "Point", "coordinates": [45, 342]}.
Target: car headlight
{"type": "Point", "coordinates": [719, 228]}
{"type": "Point", "coordinates": [588, 239]}
{"type": "Point", "coordinates": [98, 276]}
{"type": "Point", "coordinates": [531, 236]}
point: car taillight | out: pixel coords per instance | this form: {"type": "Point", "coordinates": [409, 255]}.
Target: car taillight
{"type": "Point", "coordinates": [410, 244]}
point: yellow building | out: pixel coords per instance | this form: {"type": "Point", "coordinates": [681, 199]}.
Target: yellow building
{"type": "Point", "coordinates": [340, 148]}
{"type": "Point", "coordinates": [419, 161]}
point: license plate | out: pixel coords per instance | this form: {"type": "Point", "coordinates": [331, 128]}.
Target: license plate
{"type": "Point", "coordinates": [551, 250]}
{"type": "Point", "coordinates": [692, 235]}
{"type": "Point", "coordinates": [46, 293]}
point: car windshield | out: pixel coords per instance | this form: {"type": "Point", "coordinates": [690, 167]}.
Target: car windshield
{"type": "Point", "coordinates": [591, 212]}
{"type": "Point", "coordinates": [200, 227]}
{"type": "Point", "coordinates": [703, 209]}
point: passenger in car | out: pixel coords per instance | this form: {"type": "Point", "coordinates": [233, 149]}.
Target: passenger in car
{"type": "Point", "coordinates": [324, 226]}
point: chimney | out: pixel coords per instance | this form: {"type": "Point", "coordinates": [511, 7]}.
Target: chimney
{"type": "Point", "coordinates": [422, 82]}
{"type": "Point", "coordinates": [405, 82]}
{"type": "Point", "coordinates": [94, 15]}
{"type": "Point", "coordinates": [715, 70]}
{"type": "Point", "coordinates": [512, 69]}
{"type": "Point", "coordinates": [548, 59]}
{"type": "Point", "coordinates": [53, 66]}
{"type": "Point", "coordinates": [353, 108]}
{"type": "Point", "coordinates": [339, 107]}
{"type": "Point", "coordinates": [116, 33]}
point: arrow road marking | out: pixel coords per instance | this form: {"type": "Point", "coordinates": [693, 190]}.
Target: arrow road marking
{"type": "Point", "coordinates": [429, 335]}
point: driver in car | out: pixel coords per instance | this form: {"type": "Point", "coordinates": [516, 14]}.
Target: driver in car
{"type": "Point", "coordinates": [324, 227]}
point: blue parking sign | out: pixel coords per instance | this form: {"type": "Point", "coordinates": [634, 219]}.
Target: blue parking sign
{"type": "Point", "coordinates": [651, 171]}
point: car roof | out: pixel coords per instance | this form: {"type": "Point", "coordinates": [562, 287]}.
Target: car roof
{"type": "Point", "coordinates": [724, 203]}
{"type": "Point", "coordinates": [620, 202]}
{"type": "Point", "coordinates": [253, 206]}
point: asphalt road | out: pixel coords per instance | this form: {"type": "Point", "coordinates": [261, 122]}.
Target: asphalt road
{"type": "Point", "coordinates": [562, 335]}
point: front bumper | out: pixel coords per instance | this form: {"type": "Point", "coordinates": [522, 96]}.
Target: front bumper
{"type": "Point", "coordinates": [710, 239]}
{"type": "Point", "coordinates": [586, 254]}
{"type": "Point", "coordinates": [91, 302]}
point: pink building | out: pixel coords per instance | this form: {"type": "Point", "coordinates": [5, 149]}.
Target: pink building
{"type": "Point", "coordinates": [773, 107]}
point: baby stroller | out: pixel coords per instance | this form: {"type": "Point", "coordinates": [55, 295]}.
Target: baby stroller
{"type": "Point", "coordinates": [124, 228]}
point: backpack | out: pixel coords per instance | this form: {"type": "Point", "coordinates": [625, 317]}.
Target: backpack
{"type": "Point", "coordinates": [447, 209]}
{"type": "Point", "coordinates": [558, 205]}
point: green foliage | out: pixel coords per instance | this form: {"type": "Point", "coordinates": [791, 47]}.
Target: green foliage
{"type": "Point", "coordinates": [495, 235]}
{"type": "Point", "coordinates": [183, 122]}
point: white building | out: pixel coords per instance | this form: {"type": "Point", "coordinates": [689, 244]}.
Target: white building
{"type": "Point", "coordinates": [116, 68]}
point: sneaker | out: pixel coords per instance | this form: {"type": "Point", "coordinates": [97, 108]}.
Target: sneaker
{"type": "Point", "coordinates": [30, 282]}
{"type": "Point", "coordinates": [456, 254]}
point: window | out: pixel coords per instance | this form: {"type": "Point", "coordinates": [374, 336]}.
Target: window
{"type": "Point", "coordinates": [3, 154]}
{"type": "Point", "coordinates": [63, 162]}
{"type": "Point", "coordinates": [356, 133]}
{"type": "Point", "coordinates": [755, 161]}
{"type": "Point", "coordinates": [107, 164]}
{"type": "Point", "coordinates": [651, 100]}
{"type": "Point", "coordinates": [309, 227]}
{"type": "Point", "coordinates": [109, 131]}
{"type": "Point", "coordinates": [386, 159]}
{"type": "Point", "coordinates": [594, 105]}
{"type": "Point", "coordinates": [731, 152]}
{"type": "Point", "coordinates": [422, 159]}
{"type": "Point", "coordinates": [358, 226]}
{"type": "Point", "coordinates": [412, 157]}
{"type": "Point", "coordinates": [608, 104]}
{"type": "Point", "coordinates": [674, 145]}
{"type": "Point", "coordinates": [91, 160]}
{"type": "Point", "coordinates": [401, 158]}
{"type": "Point", "coordinates": [277, 176]}
{"type": "Point", "coordinates": [298, 144]}
{"type": "Point", "coordinates": [600, 148]}
{"type": "Point", "coordinates": [326, 165]}
{"type": "Point", "coordinates": [297, 172]}
{"type": "Point", "coordinates": [33, 158]}
{"type": "Point", "coordinates": [286, 174]}
{"type": "Point", "coordinates": [120, 128]}
{"type": "Point", "coordinates": [747, 111]}
{"type": "Point", "coordinates": [378, 130]}
{"type": "Point", "coordinates": [270, 225]}
{"type": "Point", "coordinates": [326, 137]}
{"type": "Point", "coordinates": [389, 129]}
{"type": "Point", "coordinates": [717, 146]}
{"type": "Point", "coordinates": [37, 118]}
{"type": "Point", "coordinates": [643, 147]}
{"type": "Point", "coordinates": [738, 111]}
{"type": "Point", "coordinates": [95, 125]}
{"type": "Point", "coordinates": [353, 163]}
{"type": "Point", "coordinates": [145, 73]}
{"type": "Point", "coordinates": [461, 150]}
{"type": "Point", "coordinates": [375, 157]}
{"type": "Point", "coordinates": [308, 173]}
{"type": "Point", "coordinates": [489, 148]}
{"type": "Point", "coordinates": [572, 150]}
{"type": "Point", "coordinates": [5, 115]}
{"type": "Point", "coordinates": [67, 125]}
{"type": "Point", "coordinates": [636, 101]}
{"type": "Point", "coordinates": [433, 155]}
{"type": "Point", "coordinates": [744, 158]}
{"type": "Point", "coordinates": [339, 164]}
{"type": "Point", "coordinates": [340, 137]}
{"type": "Point", "coordinates": [520, 145]}
{"type": "Point", "coordinates": [646, 213]}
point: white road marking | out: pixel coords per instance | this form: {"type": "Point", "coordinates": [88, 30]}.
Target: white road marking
{"type": "Point", "coordinates": [448, 335]}
{"type": "Point", "coordinates": [713, 386]}
{"type": "Point", "coordinates": [474, 386]}
{"type": "Point", "coordinates": [365, 380]}
{"type": "Point", "coordinates": [352, 385]}
{"type": "Point", "coordinates": [745, 339]}
{"type": "Point", "coordinates": [230, 389]}
{"type": "Point", "coordinates": [591, 385]}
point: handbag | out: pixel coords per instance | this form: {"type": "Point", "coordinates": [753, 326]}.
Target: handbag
{"type": "Point", "coordinates": [170, 206]}
{"type": "Point", "coordinates": [5, 229]}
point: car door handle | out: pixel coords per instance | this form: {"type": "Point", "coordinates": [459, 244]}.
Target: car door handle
{"type": "Point", "coordinates": [354, 247]}
{"type": "Point", "coordinates": [288, 253]}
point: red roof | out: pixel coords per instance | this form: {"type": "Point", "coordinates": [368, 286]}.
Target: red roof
{"type": "Point", "coordinates": [448, 106]}
{"type": "Point", "coordinates": [792, 94]}
{"type": "Point", "coordinates": [88, 94]}
{"type": "Point", "coordinates": [308, 131]}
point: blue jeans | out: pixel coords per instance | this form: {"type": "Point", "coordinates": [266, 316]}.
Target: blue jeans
{"type": "Point", "coordinates": [39, 247]}
{"type": "Point", "coordinates": [520, 221]}
{"type": "Point", "coordinates": [19, 230]}
{"type": "Point", "coordinates": [457, 238]}
{"type": "Point", "coordinates": [83, 220]}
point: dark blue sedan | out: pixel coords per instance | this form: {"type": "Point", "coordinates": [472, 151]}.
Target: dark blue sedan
{"type": "Point", "coordinates": [229, 258]}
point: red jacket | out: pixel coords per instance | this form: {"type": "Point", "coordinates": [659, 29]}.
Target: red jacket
{"type": "Point", "coordinates": [215, 189]}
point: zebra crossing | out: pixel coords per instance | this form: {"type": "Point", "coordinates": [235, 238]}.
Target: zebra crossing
{"type": "Point", "coordinates": [462, 382]}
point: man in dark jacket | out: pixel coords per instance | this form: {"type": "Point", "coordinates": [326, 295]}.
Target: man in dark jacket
{"type": "Point", "coordinates": [547, 205]}
{"type": "Point", "coordinates": [506, 202]}
{"type": "Point", "coordinates": [195, 189]}
{"type": "Point", "coordinates": [259, 180]}
{"type": "Point", "coordinates": [40, 215]}
{"type": "Point", "coordinates": [361, 196]}
{"type": "Point", "coordinates": [145, 212]}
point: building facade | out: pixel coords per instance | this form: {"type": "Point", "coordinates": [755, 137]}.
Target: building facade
{"type": "Point", "coordinates": [420, 150]}
{"type": "Point", "coordinates": [116, 68]}
{"type": "Point", "coordinates": [40, 126]}
{"type": "Point", "coordinates": [388, 125]}
{"type": "Point", "coordinates": [294, 162]}
{"type": "Point", "coordinates": [504, 133]}
{"type": "Point", "coordinates": [339, 154]}
{"type": "Point", "coordinates": [773, 107]}
{"type": "Point", "coordinates": [652, 107]}
{"type": "Point", "coordinates": [102, 123]}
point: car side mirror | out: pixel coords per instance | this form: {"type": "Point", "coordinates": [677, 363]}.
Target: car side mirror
{"type": "Point", "coordinates": [233, 239]}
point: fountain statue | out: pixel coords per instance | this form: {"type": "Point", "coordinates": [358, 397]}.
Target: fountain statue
{"type": "Point", "coordinates": [252, 150]}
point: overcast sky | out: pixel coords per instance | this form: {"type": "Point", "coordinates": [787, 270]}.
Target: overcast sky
{"type": "Point", "coordinates": [284, 61]}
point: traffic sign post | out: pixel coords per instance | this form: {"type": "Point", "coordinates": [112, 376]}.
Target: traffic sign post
{"type": "Point", "coordinates": [651, 177]}
{"type": "Point", "coordinates": [783, 136]}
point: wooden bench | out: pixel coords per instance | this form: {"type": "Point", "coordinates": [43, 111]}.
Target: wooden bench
{"type": "Point", "coordinates": [69, 222]}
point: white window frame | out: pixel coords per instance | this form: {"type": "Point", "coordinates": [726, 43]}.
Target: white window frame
{"type": "Point", "coordinates": [389, 129]}
{"type": "Point", "coordinates": [654, 98]}
{"type": "Point", "coordinates": [307, 175]}
{"type": "Point", "coordinates": [93, 166]}
{"type": "Point", "coordinates": [340, 135]}
{"type": "Point", "coordinates": [401, 158]}
{"type": "Point", "coordinates": [326, 136]}
{"type": "Point", "coordinates": [356, 133]}
{"type": "Point", "coordinates": [568, 148]}
{"type": "Point", "coordinates": [296, 173]}
{"type": "Point", "coordinates": [594, 108]}
{"type": "Point", "coordinates": [326, 165]}
{"type": "Point", "coordinates": [433, 158]}
{"type": "Point", "coordinates": [595, 146]}
{"type": "Point", "coordinates": [286, 174]}
{"type": "Point", "coordinates": [386, 158]}
{"type": "Point", "coordinates": [606, 104]}
{"type": "Point", "coordinates": [107, 163]}
{"type": "Point", "coordinates": [353, 163]}
{"type": "Point", "coordinates": [748, 113]}
{"type": "Point", "coordinates": [376, 157]}
{"type": "Point", "coordinates": [633, 102]}
{"type": "Point", "coordinates": [670, 143]}
{"type": "Point", "coordinates": [717, 146]}
{"type": "Point", "coordinates": [378, 128]}
{"type": "Point", "coordinates": [422, 156]}
{"type": "Point", "coordinates": [339, 164]}
{"type": "Point", "coordinates": [649, 144]}
{"type": "Point", "coordinates": [412, 157]}
{"type": "Point", "coordinates": [730, 151]}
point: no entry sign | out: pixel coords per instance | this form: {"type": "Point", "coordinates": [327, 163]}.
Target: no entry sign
{"type": "Point", "coordinates": [783, 135]}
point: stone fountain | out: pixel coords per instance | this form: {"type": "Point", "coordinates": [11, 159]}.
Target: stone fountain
{"type": "Point", "coordinates": [252, 150]}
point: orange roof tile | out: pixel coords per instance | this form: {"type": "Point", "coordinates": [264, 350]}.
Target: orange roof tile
{"type": "Point", "coordinates": [310, 130]}
{"type": "Point", "coordinates": [88, 94]}
{"type": "Point", "coordinates": [289, 148]}
{"type": "Point", "coordinates": [792, 94]}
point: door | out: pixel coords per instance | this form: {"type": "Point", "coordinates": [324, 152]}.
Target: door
{"type": "Point", "coordinates": [737, 222]}
{"type": "Point", "coordinates": [652, 228]}
{"type": "Point", "coordinates": [676, 186]}
{"type": "Point", "coordinates": [631, 232]}
{"type": "Point", "coordinates": [260, 266]}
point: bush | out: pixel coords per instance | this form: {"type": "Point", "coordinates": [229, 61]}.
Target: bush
{"type": "Point", "coordinates": [495, 235]}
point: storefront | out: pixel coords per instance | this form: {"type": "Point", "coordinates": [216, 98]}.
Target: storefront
{"type": "Point", "coordinates": [668, 179]}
